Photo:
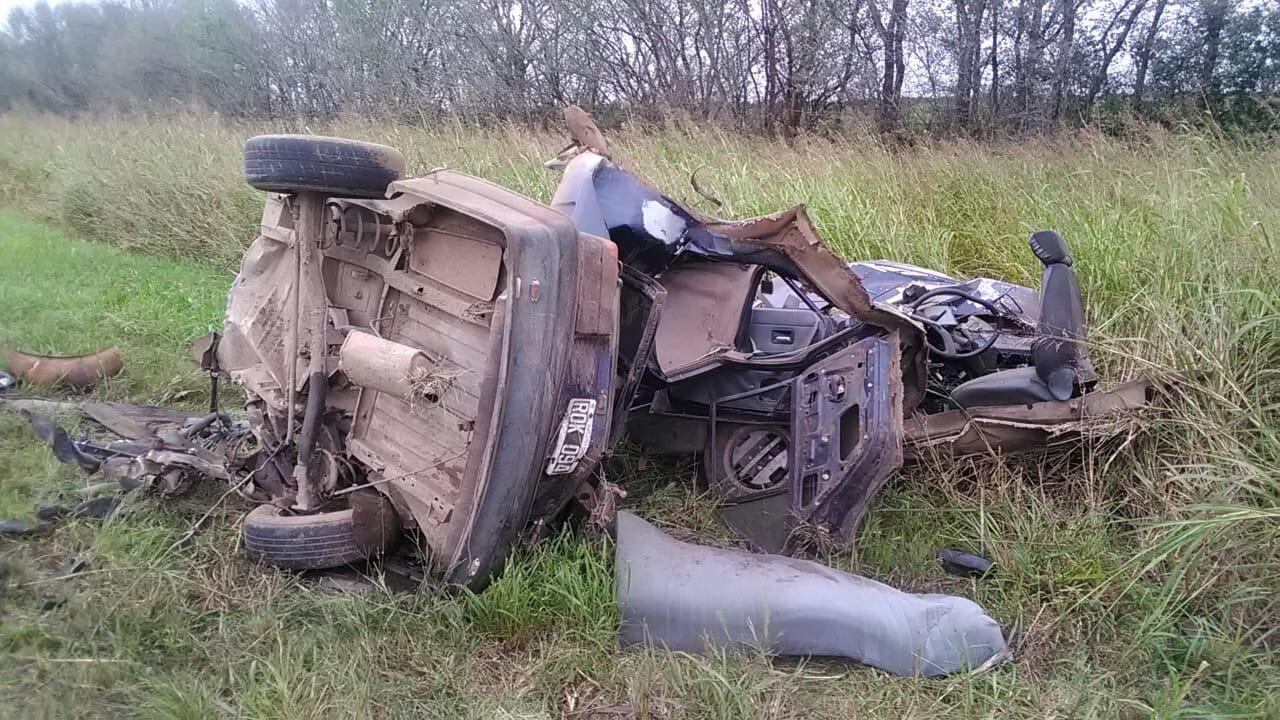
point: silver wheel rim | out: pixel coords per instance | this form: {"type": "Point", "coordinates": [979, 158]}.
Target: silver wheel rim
{"type": "Point", "coordinates": [755, 458]}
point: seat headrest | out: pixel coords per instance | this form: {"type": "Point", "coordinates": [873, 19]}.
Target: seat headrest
{"type": "Point", "coordinates": [1050, 248]}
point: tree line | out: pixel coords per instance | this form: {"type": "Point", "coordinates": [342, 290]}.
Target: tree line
{"type": "Point", "coordinates": [980, 67]}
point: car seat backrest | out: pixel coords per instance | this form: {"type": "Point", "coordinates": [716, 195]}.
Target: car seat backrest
{"type": "Point", "coordinates": [1057, 351]}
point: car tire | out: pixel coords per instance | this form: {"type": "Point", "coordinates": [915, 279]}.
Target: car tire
{"type": "Point", "coordinates": [327, 165]}
{"type": "Point", "coordinates": [302, 542]}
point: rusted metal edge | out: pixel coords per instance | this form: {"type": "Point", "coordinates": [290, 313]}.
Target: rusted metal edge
{"type": "Point", "coordinates": [78, 371]}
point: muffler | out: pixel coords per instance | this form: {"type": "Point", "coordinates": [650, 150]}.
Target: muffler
{"type": "Point", "coordinates": [383, 365]}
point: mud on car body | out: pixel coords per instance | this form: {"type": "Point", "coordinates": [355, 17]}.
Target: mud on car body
{"type": "Point", "coordinates": [444, 360]}
{"type": "Point", "coordinates": [456, 381]}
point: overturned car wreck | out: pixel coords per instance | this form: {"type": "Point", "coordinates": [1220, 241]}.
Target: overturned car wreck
{"type": "Point", "coordinates": [438, 366]}
{"type": "Point", "coordinates": [444, 360]}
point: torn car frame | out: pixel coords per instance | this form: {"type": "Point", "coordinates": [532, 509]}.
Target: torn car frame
{"type": "Point", "coordinates": [471, 356]}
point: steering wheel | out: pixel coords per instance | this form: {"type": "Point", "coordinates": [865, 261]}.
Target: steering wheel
{"type": "Point", "coordinates": [949, 348]}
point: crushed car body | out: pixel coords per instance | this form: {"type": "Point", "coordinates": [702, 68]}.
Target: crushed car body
{"type": "Point", "coordinates": [441, 365]}
{"type": "Point", "coordinates": [804, 381]}
{"type": "Point", "coordinates": [469, 356]}
{"type": "Point", "coordinates": [437, 367]}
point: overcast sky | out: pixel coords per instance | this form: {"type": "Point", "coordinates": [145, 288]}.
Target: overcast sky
{"type": "Point", "coordinates": [7, 5]}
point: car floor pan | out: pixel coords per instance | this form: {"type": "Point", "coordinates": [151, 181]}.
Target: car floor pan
{"type": "Point", "coordinates": [689, 598]}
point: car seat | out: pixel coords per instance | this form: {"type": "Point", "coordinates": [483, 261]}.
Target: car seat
{"type": "Point", "coordinates": [1059, 359]}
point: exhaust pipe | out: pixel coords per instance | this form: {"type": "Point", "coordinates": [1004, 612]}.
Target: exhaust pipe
{"type": "Point", "coordinates": [79, 372]}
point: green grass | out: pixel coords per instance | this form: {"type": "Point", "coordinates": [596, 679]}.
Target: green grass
{"type": "Point", "coordinates": [1140, 577]}
{"type": "Point", "coordinates": [62, 297]}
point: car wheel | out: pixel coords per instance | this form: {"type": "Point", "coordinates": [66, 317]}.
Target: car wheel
{"type": "Point", "coordinates": [311, 163]}
{"type": "Point", "coordinates": [302, 542]}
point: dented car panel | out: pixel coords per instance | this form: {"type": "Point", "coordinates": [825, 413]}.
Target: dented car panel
{"type": "Point", "coordinates": [843, 442]}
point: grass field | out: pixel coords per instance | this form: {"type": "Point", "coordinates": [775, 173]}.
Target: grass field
{"type": "Point", "coordinates": [1140, 578]}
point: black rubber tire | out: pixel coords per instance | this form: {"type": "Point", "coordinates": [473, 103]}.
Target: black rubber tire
{"type": "Point", "coordinates": [302, 542]}
{"type": "Point", "coordinates": [327, 165]}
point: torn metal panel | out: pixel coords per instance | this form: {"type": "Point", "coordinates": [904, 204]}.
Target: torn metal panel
{"type": "Point", "coordinates": [712, 299]}
{"type": "Point", "coordinates": [690, 598]}
{"type": "Point", "coordinates": [846, 421]}
{"type": "Point", "coordinates": [819, 473]}
{"type": "Point", "coordinates": [135, 422]}
{"type": "Point", "coordinates": [791, 235]}
{"type": "Point", "coordinates": [1005, 429]}
{"type": "Point", "coordinates": [640, 307]}
{"type": "Point", "coordinates": [658, 236]}
{"type": "Point", "coordinates": [64, 448]}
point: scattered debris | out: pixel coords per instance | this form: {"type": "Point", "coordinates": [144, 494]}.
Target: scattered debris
{"type": "Point", "coordinates": [344, 582]}
{"type": "Point", "coordinates": [37, 406]}
{"type": "Point", "coordinates": [99, 508]}
{"type": "Point", "coordinates": [964, 564]}
{"type": "Point", "coordinates": [174, 460]}
{"type": "Point", "coordinates": [87, 455]}
{"type": "Point", "coordinates": [135, 422]}
{"type": "Point", "coordinates": [165, 449]}
{"type": "Point", "coordinates": [78, 372]}
{"type": "Point", "coordinates": [48, 512]}
{"type": "Point", "coordinates": [77, 565]}
{"type": "Point", "coordinates": [103, 488]}
{"type": "Point", "coordinates": [20, 527]}
{"type": "Point", "coordinates": [403, 574]}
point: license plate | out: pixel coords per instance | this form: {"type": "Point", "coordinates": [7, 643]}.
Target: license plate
{"type": "Point", "coordinates": [574, 436]}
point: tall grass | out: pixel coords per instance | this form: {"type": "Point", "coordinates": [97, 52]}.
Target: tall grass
{"type": "Point", "coordinates": [1148, 565]}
